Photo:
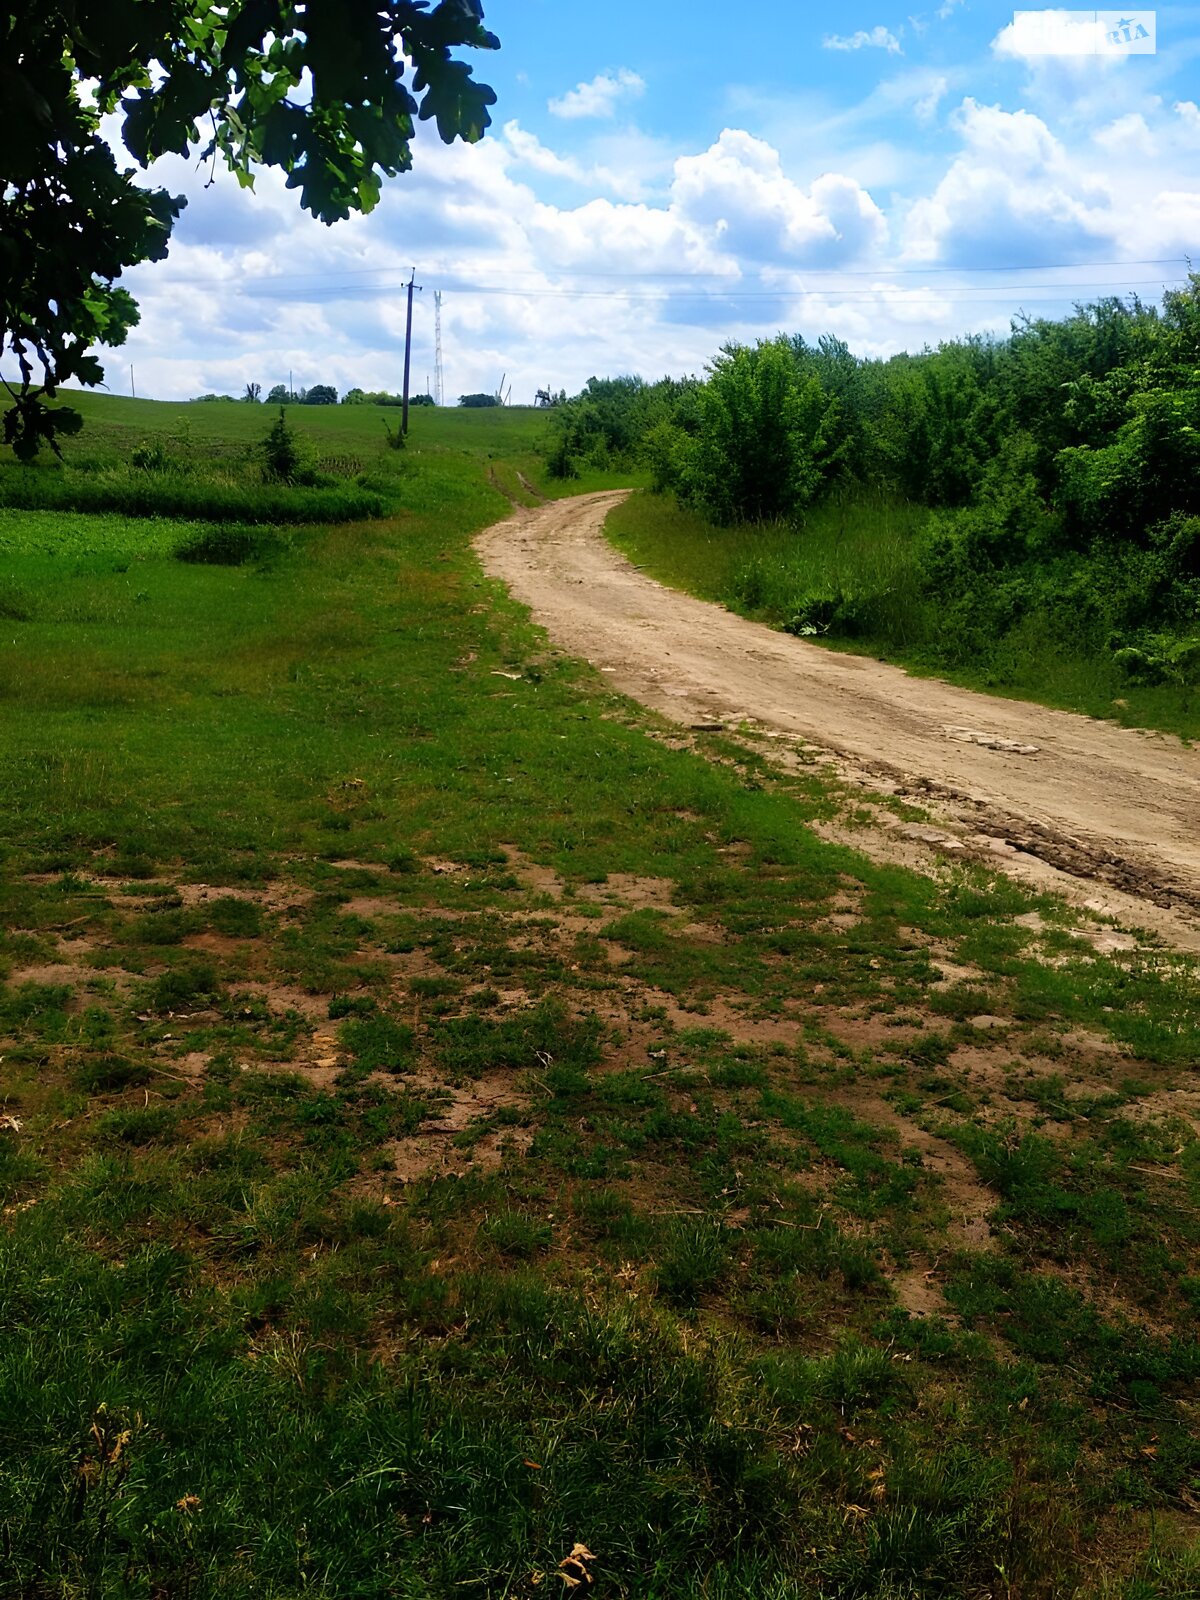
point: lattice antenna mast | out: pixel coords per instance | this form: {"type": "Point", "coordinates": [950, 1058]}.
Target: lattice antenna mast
{"type": "Point", "coordinates": [439, 384]}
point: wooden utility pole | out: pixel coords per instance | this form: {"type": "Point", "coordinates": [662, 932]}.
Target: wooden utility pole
{"type": "Point", "coordinates": [412, 284]}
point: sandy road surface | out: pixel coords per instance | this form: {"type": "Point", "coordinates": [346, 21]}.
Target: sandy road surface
{"type": "Point", "coordinates": [1116, 809]}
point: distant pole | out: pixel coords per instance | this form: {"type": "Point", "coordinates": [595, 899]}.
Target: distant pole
{"type": "Point", "coordinates": [412, 284]}
{"type": "Point", "coordinates": [439, 381]}
{"type": "Point", "coordinates": [291, 391]}
{"type": "Point", "coordinates": [132, 385]}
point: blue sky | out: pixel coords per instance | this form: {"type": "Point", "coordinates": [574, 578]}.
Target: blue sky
{"type": "Point", "coordinates": [659, 180]}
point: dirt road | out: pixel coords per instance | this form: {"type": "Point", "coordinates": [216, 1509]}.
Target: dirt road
{"type": "Point", "coordinates": [1116, 810]}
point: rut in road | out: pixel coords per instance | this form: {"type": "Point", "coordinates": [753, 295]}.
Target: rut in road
{"type": "Point", "coordinates": [1046, 794]}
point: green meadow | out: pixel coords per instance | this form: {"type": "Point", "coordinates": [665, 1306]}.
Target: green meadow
{"type": "Point", "coordinates": [446, 1119]}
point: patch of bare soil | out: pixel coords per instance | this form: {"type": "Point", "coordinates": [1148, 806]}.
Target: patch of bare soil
{"type": "Point", "coordinates": [432, 1150]}
{"type": "Point", "coordinates": [56, 974]}
{"type": "Point", "coordinates": [367, 907]}
{"type": "Point", "coordinates": [282, 998]}
{"type": "Point", "coordinates": [541, 880]}
{"type": "Point", "coordinates": [1109, 815]}
{"type": "Point", "coordinates": [279, 897]}
{"type": "Point", "coordinates": [919, 1293]}
{"type": "Point", "coordinates": [968, 1199]}
{"type": "Point", "coordinates": [631, 892]}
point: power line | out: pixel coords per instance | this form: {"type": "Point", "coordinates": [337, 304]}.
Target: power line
{"type": "Point", "coordinates": [998, 293]}
{"type": "Point", "coordinates": [717, 277]}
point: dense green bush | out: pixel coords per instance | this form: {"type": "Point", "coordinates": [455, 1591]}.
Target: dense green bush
{"type": "Point", "coordinates": [1059, 469]}
{"type": "Point", "coordinates": [765, 444]}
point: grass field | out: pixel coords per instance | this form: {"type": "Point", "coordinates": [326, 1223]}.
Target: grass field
{"type": "Point", "coordinates": [445, 1119]}
{"type": "Point", "coordinates": [862, 544]}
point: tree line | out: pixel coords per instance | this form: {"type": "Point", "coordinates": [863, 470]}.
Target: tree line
{"type": "Point", "coordinates": [324, 394]}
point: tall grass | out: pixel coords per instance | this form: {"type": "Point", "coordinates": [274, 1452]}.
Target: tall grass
{"type": "Point", "coordinates": [850, 559]}
{"type": "Point", "coordinates": [132, 492]}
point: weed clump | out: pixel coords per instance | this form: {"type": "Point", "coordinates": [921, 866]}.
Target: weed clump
{"type": "Point", "coordinates": [192, 984]}
{"type": "Point", "coordinates": [231, 544]}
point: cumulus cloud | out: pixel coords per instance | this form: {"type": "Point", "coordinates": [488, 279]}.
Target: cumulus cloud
{"type": "Point", "coordinates": [739, 190]}
{"type": "Point", "coordinates": [625, 174]}
{"type": "Point", "coordinates": [600, 97]}
{"type": "Point", "coordinates": [552, 283]}
{"type": "Point", "coordinates": [531, 152]}
{"type": "Point", "coordinates": [1016, 194]}
{"type": "Point", "coordinates": [878, 38]}
{"type": "Point", "coordinates": [1008, 198]}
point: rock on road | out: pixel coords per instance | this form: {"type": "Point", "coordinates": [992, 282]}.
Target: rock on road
{"type": "Point", "coordinates": [1112, 805]}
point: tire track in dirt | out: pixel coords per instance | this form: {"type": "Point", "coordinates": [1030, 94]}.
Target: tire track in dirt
{"type": "Point", "coordinates": [1116, 810]}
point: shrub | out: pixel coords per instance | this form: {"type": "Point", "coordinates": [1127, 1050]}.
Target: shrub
{"type": "Point", "coordinates": [231, 544]}
{"type": "Point", "coordinates": [560, 463]}
{"type": "Point", "coordinates": [1138, 666]}
{"type": "Point", "coordinates": [763, 449]}
{"type": "Point", "coordinates": [151, 456]}
{"type": "Point", "coordinates": [664, 450]}
{"type": "Point", "coordinates": [1185, 661]}
{"type": "Point", "coordinates": [283, 455]}
{"type": "Point", "coordinates": [16, 605]}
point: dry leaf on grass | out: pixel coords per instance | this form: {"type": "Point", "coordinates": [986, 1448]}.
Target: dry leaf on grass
{"type": "Point", "coordinates": [573, 1569]}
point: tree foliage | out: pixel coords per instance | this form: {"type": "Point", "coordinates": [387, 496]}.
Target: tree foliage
{"type": "Point", "coordinates": [766, 439]}
{"type": "Point", "coordinates": [1050, 481]}
{"type": "Point", "coordinates": [328, 91]}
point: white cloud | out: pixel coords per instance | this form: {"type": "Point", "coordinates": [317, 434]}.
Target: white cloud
{"type": "Point", "coordinates": [600, 97]}
{"type": "Point", "coordinates": [1128, 135]}
{"type": "Point", "coordinates": [634, 161]}
{"type": "Point", "coordinates": [531, 152]}
{"type": "Point", "coordinates": [738, 188]}
{"type": "Point", "coordinates": [1016, 194]}
{"type": "Point", "coordinates": [1005, 200]}
{"type": "Point", "coordinates": [925, 107]}
{"type": "Point", "coordinates": [879, 38]}
{"type": "Point", "coordinates": [1189, 113]}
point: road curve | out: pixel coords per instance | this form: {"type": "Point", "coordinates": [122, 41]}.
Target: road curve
{"type": "Point", "coordinates": [1115, 805]}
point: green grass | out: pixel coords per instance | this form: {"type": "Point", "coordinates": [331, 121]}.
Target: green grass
{"type": "Point", "coordinates": [391, 1198]}
{"type": "Point", "coordinates": [860, 547]}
